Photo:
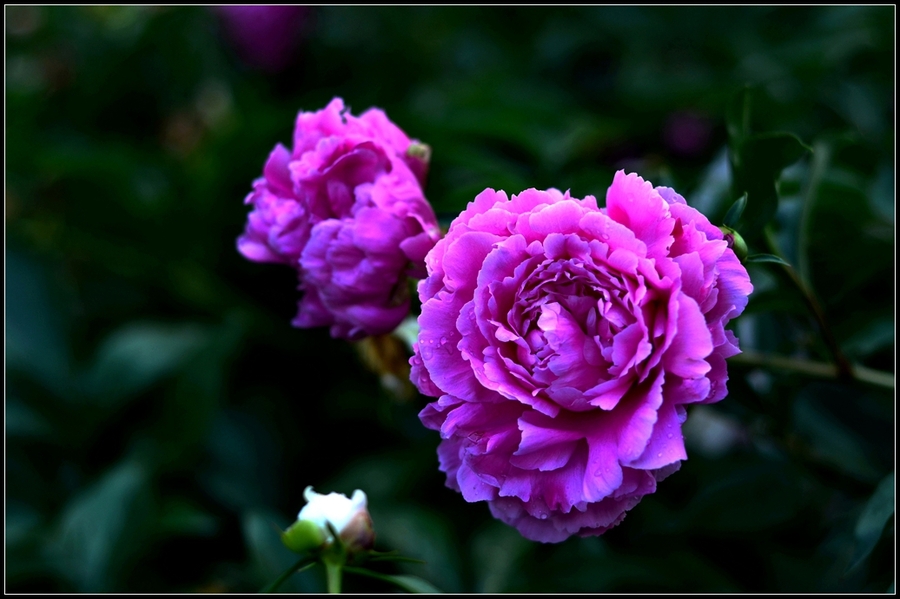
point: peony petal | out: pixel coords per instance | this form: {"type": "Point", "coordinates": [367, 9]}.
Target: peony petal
{"type": "Point", "coordinates": [686, 356]}
{"type": "Point", "coordinates": [636, 417]}
{"type": "Point", "coordinates": [634, 203]}
{"type": "Point", "coordinates": [666, 443]}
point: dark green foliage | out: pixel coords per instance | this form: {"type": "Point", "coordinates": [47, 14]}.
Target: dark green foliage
{"type": "Point", "coordinates": [163, 417]}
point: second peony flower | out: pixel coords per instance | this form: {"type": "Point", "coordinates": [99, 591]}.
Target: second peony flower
{"type": "Point", "coordinates": [345, 207]}
{"type": "Point", "coordinates": [563, 342]}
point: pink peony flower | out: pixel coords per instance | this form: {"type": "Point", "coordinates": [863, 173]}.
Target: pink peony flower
{"type": "Point", "coordinates": [563, 342]}
{"type": "Point", "coordinates": [346, 208]}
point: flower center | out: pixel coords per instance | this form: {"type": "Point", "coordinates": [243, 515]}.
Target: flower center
{"type": "Point", "coordinates": [572, 327]}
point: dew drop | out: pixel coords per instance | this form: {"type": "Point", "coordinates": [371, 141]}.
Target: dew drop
{"type": "Point", "coordinates": [443, 341]}
{"type": "Point", "coordinates": [427, 352]}
{"type": "Point", "coordinates": [659, 455]}
{"type": "Point", "coordinates": [604, 235]}
{"type": "Point", "coordinates": [543, 516]}
{"type": "Point", "coordinates": [670, 435]}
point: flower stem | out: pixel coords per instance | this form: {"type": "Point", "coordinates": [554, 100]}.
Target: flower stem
{"type": "Point", "coordinates": [333, 576]}
{"type": "Point", "coordinates": [844, 368]}
{"type": "Point", "coordinates": [820, 369]}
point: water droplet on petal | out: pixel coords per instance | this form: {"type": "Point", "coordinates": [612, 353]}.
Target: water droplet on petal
{"type": "Point", "coordinates": [659, 455]}
{"type": "Point", "coordinates": [604, 235]}
{"type": "Point", "coordinates": [669, 435]}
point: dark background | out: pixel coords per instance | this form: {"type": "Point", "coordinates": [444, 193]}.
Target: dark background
{"type": "Point", "coordinates": [163, 417]}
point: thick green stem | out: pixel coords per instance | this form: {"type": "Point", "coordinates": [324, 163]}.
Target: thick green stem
{"type": "Point", "coordinates": [333, 576]}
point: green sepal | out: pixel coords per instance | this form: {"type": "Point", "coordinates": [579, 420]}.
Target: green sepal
{"type": "Point", "coordinates": [303, 536]}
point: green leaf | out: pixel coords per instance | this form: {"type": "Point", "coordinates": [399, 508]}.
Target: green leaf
{"type": "Point", "coordinates": [757, 163]}
{"type": "Point", "coordinates": [303, 564]}
{"type": "Point", "coordinates": [390, 556]}
{"type": "Point", "coordinates": [733, 216]}
{"type": "Point", "coordinates": [722, 506]}
{"type": "Point", "coordinates": [410, 584]}
{"type": "Point", "coordinates": [875, 333]}
{"type": "Point", "coordinates": [496, 554]}
{"type": "Point", "coordinates": [240, 471]}
{"type": "Point", "coordinates": [766, 258]}
{"type": "Point", "coordinates": [136, 356]}
{"type": "Point", "coordinates": [714, 186]}
{"type": "Point", "coordinates": [422, 533]}
{"type": "Point", "coordinates": [181, 517]}
{"type": "Point", "coordinates": [269, 556]}
{"type": "Point", "coordinates": [737, 116]}
{"type": "Point", "coordinates": [831, 441]}
{"type": "Point", "coordinates": [190, 405]}
{"type": "Point", "coordinates": [21, 522]}
{"type": "Point", "coordinates": [103, 527]}
{"type": "Point", "coordinates": [23, 421]}
{"type": "Point", "coordinates": [35, 340]}
{"type": "Point", "coordinates": [872, 520]}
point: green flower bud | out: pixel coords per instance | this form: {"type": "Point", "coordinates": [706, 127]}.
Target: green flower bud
{"type": "Point", "coordinates": [735, 242]}
{"type": "Point", "coordinates": [419, 150]}
{"type": "Point", "coordinates": [418, 157]}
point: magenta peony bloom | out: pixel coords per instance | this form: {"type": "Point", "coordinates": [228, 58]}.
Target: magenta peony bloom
{"type": "Point", "coordinates": [563, 342]}
{"type": "Point", "coordinates": [346, 209]}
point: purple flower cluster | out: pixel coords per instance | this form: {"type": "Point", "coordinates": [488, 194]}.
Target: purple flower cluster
{"type": "Point", "coordinates": [345, 207]}
{"type": "Point", "coordinates": [563, 342]}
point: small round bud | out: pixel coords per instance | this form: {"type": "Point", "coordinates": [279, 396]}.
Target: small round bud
{"type": "Point", "coordinates": [349, 517]}
{"type": "Point", "coordinates": [418, 157]}
{"type": "Point", "coordinates": [419, 150]}
{"type": "Point", "coordinates": [735, 242]}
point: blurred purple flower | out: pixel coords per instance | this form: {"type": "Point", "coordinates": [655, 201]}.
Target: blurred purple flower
{"type": "Point", "coordinates": [687, 133]}
{"type": "Point", "coordinates": [345, 207]}
{"type": "Point", "coordinates": [265, 36]}
{"type": "Point", "coordinates": [563, 342]}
